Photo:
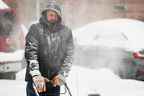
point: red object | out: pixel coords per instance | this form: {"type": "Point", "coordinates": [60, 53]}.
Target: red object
{"type": "Point", "coordinates": [136, 55]}
{"type": "Point", "coordinates": [4, 44]}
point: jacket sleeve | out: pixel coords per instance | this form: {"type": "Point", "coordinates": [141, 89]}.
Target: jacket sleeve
{"type": "Point", "coordinates": [31, 51]}
{"type": "Point", "coordinates": [66, 66]}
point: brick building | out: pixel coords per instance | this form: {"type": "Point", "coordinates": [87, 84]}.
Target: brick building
{"type": "Point", "coordinates": [85, 11]}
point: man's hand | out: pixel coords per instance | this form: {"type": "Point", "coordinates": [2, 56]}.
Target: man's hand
{"type": "Point", "coordinates": [39, 82]}
{"type": "Point", "coordinates": [57, 80]}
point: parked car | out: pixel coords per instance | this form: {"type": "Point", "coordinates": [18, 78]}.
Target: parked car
{"type": "Point", "coordinates": [111, 44]}
{"type": "Point", "coordinates": [11, 43]}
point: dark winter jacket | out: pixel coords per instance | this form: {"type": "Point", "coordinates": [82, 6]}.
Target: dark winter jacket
{"type": "Point", "coordinates": [48, 51]}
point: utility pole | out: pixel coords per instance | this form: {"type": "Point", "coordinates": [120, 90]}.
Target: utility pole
{"type": "Point", "coordinates": [125, 8]}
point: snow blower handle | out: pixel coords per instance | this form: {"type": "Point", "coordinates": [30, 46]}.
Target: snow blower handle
{"type": "Point", "coordinates": [65, 84]}
{"type": "Point", "coordinates": [35, 89]}
{"type": "Point", "coordinates": [68, 89]}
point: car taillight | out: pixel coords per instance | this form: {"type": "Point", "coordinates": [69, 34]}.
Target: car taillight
{"type": "Point", "coordinates": [138, 55]}
{"type": "Point", "coordinates": [135, 55]}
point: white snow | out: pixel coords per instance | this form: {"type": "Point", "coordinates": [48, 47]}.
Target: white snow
{"type": "Point", "coordinates": [12, 88]}
{"type": "Point", "coordinates": [83, 81]}
{"type": "Point", "coordinates": [12, 56]}
{"type": "Point", "coordinates": [125, 33]}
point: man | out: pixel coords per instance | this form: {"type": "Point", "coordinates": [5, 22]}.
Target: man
{"type": "Point", "coordinates": [48, 52]}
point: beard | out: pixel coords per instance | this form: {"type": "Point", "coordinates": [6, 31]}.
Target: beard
{"type": "Point", "coordinates": [52, 21]}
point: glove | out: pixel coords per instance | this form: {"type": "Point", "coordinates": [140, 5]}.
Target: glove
{"type": "Point", "coordinates": [58, 80]}
{"type": "Point", "coordinates": [39, 82]}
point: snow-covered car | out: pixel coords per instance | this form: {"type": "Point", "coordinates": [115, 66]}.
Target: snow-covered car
{"type": "Point", "coordinates": [111, 44]}
{"type": "Point", "coordinates": [11, 43]}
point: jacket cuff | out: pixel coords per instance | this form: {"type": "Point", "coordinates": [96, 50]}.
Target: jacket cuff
{"type": "Point", "coordinates": [35, 73]}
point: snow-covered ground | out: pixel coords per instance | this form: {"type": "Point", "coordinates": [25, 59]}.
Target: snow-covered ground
{"type": "Point", "coordinates": [82, 81]}
{"type": "Point", "coordinates": [85, 81]}
{"type": "Point", "coordinates": [12, 88]}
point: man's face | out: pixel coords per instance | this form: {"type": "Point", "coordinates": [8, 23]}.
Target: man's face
{"type": "Point", "coordinates": [52, 16]}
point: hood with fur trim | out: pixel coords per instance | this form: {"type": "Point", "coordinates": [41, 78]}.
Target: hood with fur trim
{"type": "Point", "coordinates": [54, 7]}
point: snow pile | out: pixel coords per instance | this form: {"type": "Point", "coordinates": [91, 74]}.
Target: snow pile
{"type": "Point", "coordinates": [13, 56]}
{"type": "Point", "coordinates": [125, 33]}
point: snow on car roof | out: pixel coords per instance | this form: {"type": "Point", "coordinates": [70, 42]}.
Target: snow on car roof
{"type": "Point", "coordinates": [112, 32]}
